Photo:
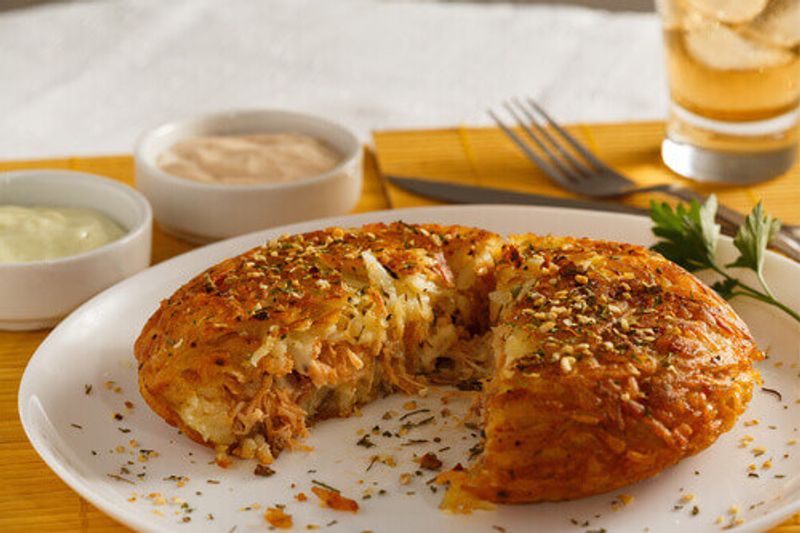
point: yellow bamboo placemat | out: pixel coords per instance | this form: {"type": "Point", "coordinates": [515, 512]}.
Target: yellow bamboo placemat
{"type": "Point", "coordinates": [34, 499]}
{"type": "Point", "coordinates": [485, 157]}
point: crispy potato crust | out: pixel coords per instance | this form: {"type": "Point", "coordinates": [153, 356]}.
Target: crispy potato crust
{"type": "Point", "coordinates": [612, 364]}
{"type": "Point", "coordinates": [308, 327]}
{"type": "Point", "coordinates": [608, 363]}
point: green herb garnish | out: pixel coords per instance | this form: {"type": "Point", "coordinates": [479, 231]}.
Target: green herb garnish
{"type": "Point", "coordinates": [412, 413]}
{"type": "Point", "coordinates": [324, 485]}
{"type": "Point", "coordinates": [411, 425]}
{"type": "Point", "coordinates": [365, 442]}
{"type": "Point", "coordinates": [689, 236]}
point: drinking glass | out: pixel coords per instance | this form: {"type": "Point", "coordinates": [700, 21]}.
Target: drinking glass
{"type": "Point", "coordinates": [734, 76]}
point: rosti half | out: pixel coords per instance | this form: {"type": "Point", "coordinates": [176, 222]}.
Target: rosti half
{"type": "Point", "coordinates": [603, 363]}
{"type": "Point", "coordinates": [612, 364]}
{"type": "Point", "coordinates": [309, 326]}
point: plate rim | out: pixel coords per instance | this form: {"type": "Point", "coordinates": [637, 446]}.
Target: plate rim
{"type": "Point", "coordinates": [132, 519]}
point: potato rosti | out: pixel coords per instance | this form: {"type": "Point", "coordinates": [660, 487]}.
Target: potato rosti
{"type": "Point", "coordinates": [603, 363]}
{"type": "Point", "coordinates": [310, 326]}
{"type": "Point", "coordinates": [612, 364]}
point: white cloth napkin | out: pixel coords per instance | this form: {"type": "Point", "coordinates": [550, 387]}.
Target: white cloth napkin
{"type": "Point", "coordinates": [89, 77]}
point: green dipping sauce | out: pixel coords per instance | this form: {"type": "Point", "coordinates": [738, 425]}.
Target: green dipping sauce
{"type": "Point", "coordinates": [42, 233]}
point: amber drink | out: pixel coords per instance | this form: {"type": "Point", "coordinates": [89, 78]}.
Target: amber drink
{"type": "Point", "coordinates": [734, 75]}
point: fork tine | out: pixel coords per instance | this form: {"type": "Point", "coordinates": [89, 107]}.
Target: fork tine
{"type": "Point", "coordinates": [578, 169]}
{"type": "Point", "coordinates": [577, 145]}
{"type": "Point", "coordinates": [564, 169]}
{"type": "Point", "coordinates": [555, 174]}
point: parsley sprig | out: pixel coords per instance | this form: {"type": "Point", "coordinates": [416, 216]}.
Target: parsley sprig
{"type": "Point", "coordinates": [689, 236]}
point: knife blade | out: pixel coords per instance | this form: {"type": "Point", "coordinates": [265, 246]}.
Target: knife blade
{"type": "Point", "coordinates": [470, 194]}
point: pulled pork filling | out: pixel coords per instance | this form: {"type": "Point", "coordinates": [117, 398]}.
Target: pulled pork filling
{"type": "Point", "coordinates": [395, 320]}
{"type": "Point", "coordinates": [396, 335]}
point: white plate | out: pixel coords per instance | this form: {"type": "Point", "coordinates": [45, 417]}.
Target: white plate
{"type": "Point", "coordinates": [94, 345]}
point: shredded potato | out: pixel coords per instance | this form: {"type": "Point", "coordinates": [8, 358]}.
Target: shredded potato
{"type": "Point", "coordinates": [600, 363]}
{"type": "Point", "coordinates": [334, 500]}
{"type": "Point", "coordinates": [278, 518]}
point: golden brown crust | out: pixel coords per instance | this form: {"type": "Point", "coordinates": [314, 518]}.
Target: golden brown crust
{"type": "Point", "coordinates": [613, 363]}
{"type": "Point", "coordinates": [256, 342]}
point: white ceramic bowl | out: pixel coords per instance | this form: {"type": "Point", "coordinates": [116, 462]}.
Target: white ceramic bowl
{"type": "Point", "coordinates": [38, 294]}
{"type": "Point", "coordinates": [203, 212]}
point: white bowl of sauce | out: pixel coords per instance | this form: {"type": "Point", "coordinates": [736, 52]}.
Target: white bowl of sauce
{"type": "Point", "coordinates": [225, 174]}
{"type": "Point", "coordinates": [64, 237]}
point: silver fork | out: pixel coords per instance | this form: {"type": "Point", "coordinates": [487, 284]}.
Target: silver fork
{"type": "Point", "coordinates": [572, 166]}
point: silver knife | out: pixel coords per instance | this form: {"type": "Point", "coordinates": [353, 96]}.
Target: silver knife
{"type": "Point", "coordinates": [470, 194]}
